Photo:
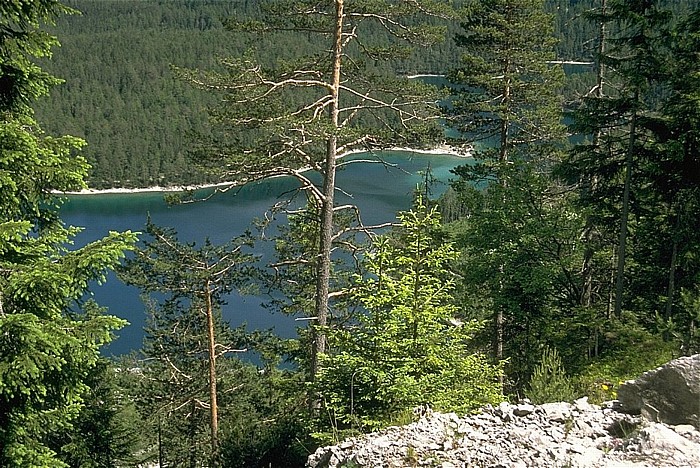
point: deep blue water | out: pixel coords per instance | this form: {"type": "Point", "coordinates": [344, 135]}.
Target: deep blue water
{"type": "Point", "coordinates": [378, 190]}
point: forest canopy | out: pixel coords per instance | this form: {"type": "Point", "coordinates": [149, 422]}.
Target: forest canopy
{"type": "Point", "coordinates": [121, 95]}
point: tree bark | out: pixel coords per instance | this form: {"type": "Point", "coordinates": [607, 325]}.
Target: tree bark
{"type": "Point", "coordinates": [213, 405]}
{"type": "Point", "coordinates": [671, 280]}
{"type": "Point", "coordinates": [624, 214]}
{"type": "Point", "coordinates": [326, 215]}
{"type": "Point", "coordinates": [499, 318]}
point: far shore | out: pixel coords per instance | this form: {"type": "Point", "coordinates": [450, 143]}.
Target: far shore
{"type": "Point", "coordinates": [440, 150]}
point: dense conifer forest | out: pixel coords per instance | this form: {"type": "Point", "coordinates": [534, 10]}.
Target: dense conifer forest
{"type": "Point", "coordinates": [116, 58]}
{"type": "Point", "coordinates": [561, 261]}
{"type": "Point", "coordinates": [122, 96]}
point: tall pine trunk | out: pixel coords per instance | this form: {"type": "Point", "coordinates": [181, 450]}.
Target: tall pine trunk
{"type": "Point", "coordinates": [592, 183]}
{"type": "Point", "coordinates": [213, 405]}
{"type": "Point", "coordinates": [326, 215]}
{"type": "Point", "coordinates": [671, 291]}
{"type": "Point", "coordinates": [499, 319]}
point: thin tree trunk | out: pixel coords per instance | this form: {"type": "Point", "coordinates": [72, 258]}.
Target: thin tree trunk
{"type": "Point", "coordinates": [498, 325]}
{"type": "Point", "coordinates": [161, 454]}
{"type": "Point", "coordinates": [624, 214]}
{"type": "Point", "coordinates": [193, 452]}
{"type": "Point", "coordinates": [671, 280]}
{"type": "Point", "coordinates": [326, 215]}
{"type": "Point", "coordinates": [499, 318]}
{"type": "Point", "coordinates": [587, 267]}
{"type": "Point", "coordinates": [213, 405]}
{"type": "Point", "coordinates": [611, 287]}
{"type": "Point", "coordinates": [505, 123]}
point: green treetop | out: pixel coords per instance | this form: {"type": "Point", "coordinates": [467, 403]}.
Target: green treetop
{"type": "Point", "coordinates": [47, 345]}
{"type": "Point", "coordinates": [409, 348]}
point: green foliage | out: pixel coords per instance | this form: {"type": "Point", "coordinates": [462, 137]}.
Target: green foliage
{"type": "Point", "coordinates": [519, 251]}
{"type": "Point", "coordinates": [409, 348]}
{"type": "Point", "coordinates": [538, 259]}
{"type": "Point", "coordinates": [627, 350]}
{"type": "Point", "coordinates": [510, 93]}
{"type": "Point", "coordinates": [274, 113]}
{"type": "Point", "coordinates": [48, 345]}
{"type": "Point", "coordinates": [549, 382]}
{"type": "Point", "coordinates": [291, 275]}
{"type": "Point", "coordinates": [617, 120]}
{"type": "Point", "coordinates": [24, 40]}
{"type": "Point", "coordinates": [265, 426]}
{"type": "Point", "coordinates": [689, 334]}
{"type": "Point", "coordinates": [108, 431]}
{"type": "Point", "coordinates": [633, 169]}
{"type": "Point", "coordinates": [116, 58]}
{"type": "Point", "coordinates": [186, 336]}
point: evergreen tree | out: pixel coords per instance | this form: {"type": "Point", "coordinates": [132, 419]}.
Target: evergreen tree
{"type": "Point", "coordinates": [409, 348]}
{"type": "Point", "coordinates": [619, 116]}
{"type": "Point", "coordinates": [48, 345]}
{"type": "Point", "coordinates": [290, 277]}
{"type": "Point", "coordinates": [664, 262]}
{"type": "Point", "coordinates": [187, 335]}
{"type": "Point", "coordinates": [549, 382]}
{"type": "Point", "coordinates": [108, 431]}
{"type": "Point", "coordinates": [509, 109]}
{"type": "Point", "coordinates": [519, 246]}
{"type": "Point", "coordinates": [305, 110]}
{"type": "Point", "coordinates": [510, 100]}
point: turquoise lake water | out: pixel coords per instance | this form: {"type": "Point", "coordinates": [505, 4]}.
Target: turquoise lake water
{"type": "Point", "coordinates": [380, 192]}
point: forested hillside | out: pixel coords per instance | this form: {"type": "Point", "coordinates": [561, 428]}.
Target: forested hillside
{"type": "Point", "coordinates": [123, 98]}
{"type": "Point", "coordinates": [561, 261]}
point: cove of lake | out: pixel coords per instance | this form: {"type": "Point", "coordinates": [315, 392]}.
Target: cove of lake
{"type": "Point", "coordinates": [379, 190]}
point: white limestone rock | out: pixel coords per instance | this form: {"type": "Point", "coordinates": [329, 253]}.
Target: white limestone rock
{"type": "Point", "coordinates": [579, 435]}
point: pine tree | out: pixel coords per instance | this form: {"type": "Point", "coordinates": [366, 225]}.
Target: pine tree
{"type": "Point", "coordinates": [305, 111]}
{"type": "Point", "coordinates": [187, 334]}
{"type": "Point", "coordinates": [510, 102]}
{"type": "Point", "coordinates": [509, 109]}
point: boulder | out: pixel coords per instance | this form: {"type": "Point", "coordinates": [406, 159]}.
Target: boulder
{"type": "Point", "coordinates": [668, 394]}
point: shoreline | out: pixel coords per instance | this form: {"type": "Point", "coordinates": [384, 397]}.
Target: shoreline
{"type": "Point", "coordinates": [442, 150]}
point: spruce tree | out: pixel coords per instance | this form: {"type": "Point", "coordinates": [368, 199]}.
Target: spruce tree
{"type": "Point", "coordinates": [549, 382]}
{"type": "Point", "coordinates": [664, 252]}
{"type": "Point", "coordinates": [509, 109]}
{"type": "Point", "coordinates": [619, 117]}
{"type": "Point", "coordinates": [48, 344]}
{"type": "Point", "coordinates": [409, 347]}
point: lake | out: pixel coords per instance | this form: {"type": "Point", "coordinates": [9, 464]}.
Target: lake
{"type": "Point", "coordinates": [379, 190]}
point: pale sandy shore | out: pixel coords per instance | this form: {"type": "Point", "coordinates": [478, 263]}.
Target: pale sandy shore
{"type": "Point", "coordinates": [438, 150]}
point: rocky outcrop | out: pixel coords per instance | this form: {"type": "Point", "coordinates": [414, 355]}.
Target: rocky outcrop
{"type": "Point", "coordinates": [521, 436]}
{"type": "Point", "coordinates": [549, 435]}
{"type": "Point", "coordinates": [668, 394]}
